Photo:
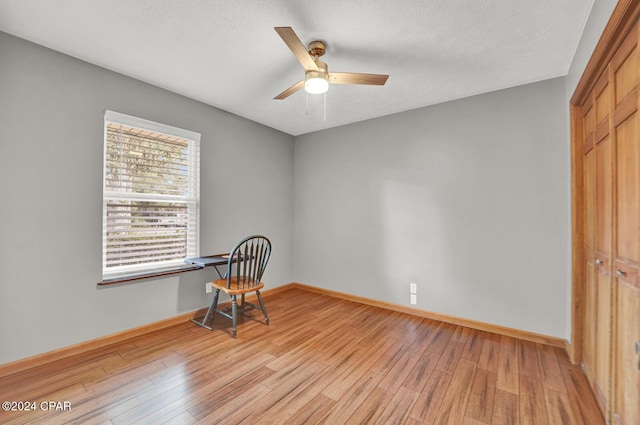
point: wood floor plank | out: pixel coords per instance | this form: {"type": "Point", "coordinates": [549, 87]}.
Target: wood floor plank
{"type": "Point", "coordinates": [227, 394]}
{"type": "Point", "coordinates": [312, 412]}
{"type": "Point", "coordinates": [550, 368]}
{"type": "Point", "coordinates": [282, 401]}
{"type": "Point", "coordinates": [94, 401]}
{"type": "Point", "coordinates": [419, 336]}
{"type": "Point", "coordinates": [22, 417]}
{"type": "Point", "coordinates": [529, 363]}
{"type": "Point", "coordinates": [121, 394]}
{"type": "Point", "coordinates": [461, 334]}
{"type": "Point", "coordinates": [473, 347]}
{"type": "Point", "coordinates": [427, 406]}
{"type": "Point", "coordinates": [398, 407]}
{"type": "Point", "coordinates": [471, 421]}
{"type": "Point", "coordinates": [417, 378]}
{"type": "Point", "coordinates": [505, 409]}
{"type": "Point", "coordinates": [183, 418]}
{"type": "Point", "coordinates": [371, 408]}
{"type": "Point", "coordinates": [298, 399]}
{"type": "Point", "coordinates": [439, 339]}
{"type": "Point", "coordinates": [481, 397]}
{"type": "Point", "coordinates": [352, 399]}
{"type": "Point", "coordinates": [533, 408]}
{"type": "Point", "coordinates": [236, 405]}
{"type": "Point", "coordinates": [398, 373]}
{"type": "Point", "coordinates": [352, 371]}
{"type": "Point", "coordinates": [142, 409]}
{"type": "Point", "coordinates": [296, 356]}
{"type": "Point", "coordinates": [559, 410]}
{"type": "Point", "coordinates": [412, 421]}
{"type": "Point", "coordinates": [389, 359]}
{"type": "Point", "coordinates": [508, 365]}
{"type": "Point", "coordinates": [333, 354]}
{"type": "Point", "coordinates": [452, 410]}
{"type": "Point", "coordinates": [34, 387]}
{"type": "Point", "coordinates": [450, 356]}
{"type": "Point", "coordinates": [581, 399]}
{"type": "Point", "coordinates": [320, 360]}
{"type": "Point", "coordinates": [490, 353]}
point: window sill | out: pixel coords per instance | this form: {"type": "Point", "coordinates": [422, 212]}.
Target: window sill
{"type": "Point", "coordinates": [149, 275]}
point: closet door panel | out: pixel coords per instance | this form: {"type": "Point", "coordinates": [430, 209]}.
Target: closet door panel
{"type": "Point", "coordinates": [625, 66]}
{"type": "Point", "coordinates": [604, 220]}
{"type": "Point", "coordinates": [589, 185]}
{"type": "Point", "coordinates": [603, 271]}
{"type": "Point", "coordinates": [604, 200]}
{"type": "Point", "coordinates": [626, 365]}
{"type": "Point", "coordinates": [590, 313]}
{"type": "Point", "coordinates": [603, 338]}
{"type": "Point", "coordinates": [628, 191]}
{"type": "Point", "coordinates": [627, 357]}
{"type": "Point", "coordinates": [627, 375]}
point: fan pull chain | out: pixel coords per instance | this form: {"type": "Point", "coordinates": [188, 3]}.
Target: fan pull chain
{"type": "Point", "coordinates": [325, 107]}
{"type": "Point", "coordinates": [324, 97]}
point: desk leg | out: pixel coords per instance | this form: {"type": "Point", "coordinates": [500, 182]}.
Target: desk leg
{"type": "Point", "coordinates": [219, 274]}
{"type": "Point", "coordinates": [212, 308]}
{"type": "Point", "coordinates": [214, 305]}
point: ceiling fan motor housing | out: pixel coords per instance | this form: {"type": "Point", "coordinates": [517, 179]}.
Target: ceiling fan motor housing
{"type": "Point", "coordinates": [322, 72]}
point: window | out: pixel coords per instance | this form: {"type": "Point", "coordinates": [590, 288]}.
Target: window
{"type": "Point", "coordinates": [151, 196]}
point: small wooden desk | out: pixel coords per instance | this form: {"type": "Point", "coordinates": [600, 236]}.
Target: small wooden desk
{"type": "Point", "coordinates": [214, 261]}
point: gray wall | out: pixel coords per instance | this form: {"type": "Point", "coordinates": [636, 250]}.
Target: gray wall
{"type": "Point", "coordinates": [51, 147]}
{"type": "Point", "coordinates": [468, 199]}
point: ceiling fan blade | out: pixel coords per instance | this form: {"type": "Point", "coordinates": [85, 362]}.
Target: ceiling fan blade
{"type": "Point", "coordinates": [300, 52]}
{"type": "Point", "coordinates": [291, 90]}
{"type": "Point", "coordinates": [355, 78]}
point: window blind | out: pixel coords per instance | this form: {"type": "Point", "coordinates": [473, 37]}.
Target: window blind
{"type": "Point", "coordinates": [150, 196]}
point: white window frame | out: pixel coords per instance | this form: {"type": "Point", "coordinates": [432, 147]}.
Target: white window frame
{"type": "Point", "coordinates": [191, 199]}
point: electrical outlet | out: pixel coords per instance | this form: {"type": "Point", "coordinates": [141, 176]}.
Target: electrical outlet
{"type": "Point", "coordinates": [208, 288]}
{"type": "Point", "coordinates": [414, 299]}
{"type": "Point", "coordinates": [413, 288]}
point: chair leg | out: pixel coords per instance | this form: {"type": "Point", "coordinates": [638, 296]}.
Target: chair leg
{"type": "Point", "coordinates": [264, 310]}
{"type": "Point", "coordinates": [234, 314]}
{"type": "Point", "coordinates": [215, 304]}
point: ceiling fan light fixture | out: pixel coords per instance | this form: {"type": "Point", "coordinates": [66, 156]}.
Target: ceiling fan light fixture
{"type": "Point", "coordinates": [317, 82]}
{"type": "Point", "coordinates": [316, 85]}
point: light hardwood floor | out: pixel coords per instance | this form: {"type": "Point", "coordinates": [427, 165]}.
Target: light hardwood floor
{"type": "Point", "coordinates": [321, 360]}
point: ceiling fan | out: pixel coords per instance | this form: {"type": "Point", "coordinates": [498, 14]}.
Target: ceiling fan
{"type": "Point", "coordinates": [317, 76]}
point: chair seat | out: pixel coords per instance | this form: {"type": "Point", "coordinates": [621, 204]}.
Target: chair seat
{"type": "Point", "coordinates": [235, 288]}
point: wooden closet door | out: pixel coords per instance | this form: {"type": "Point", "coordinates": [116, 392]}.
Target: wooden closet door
{"type": "Point", "coordinates": [604, 214]}
{"type": "Point", "coordinates": [589, 337]}
{"type": "Point", "coordinates": [626, 367]}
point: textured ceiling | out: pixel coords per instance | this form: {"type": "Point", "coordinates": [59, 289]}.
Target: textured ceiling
{"type": "Point", "coordinates": [225, 52]}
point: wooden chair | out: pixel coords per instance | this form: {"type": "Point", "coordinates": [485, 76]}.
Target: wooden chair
{"type": "Point", "coordinates": [247, 262]}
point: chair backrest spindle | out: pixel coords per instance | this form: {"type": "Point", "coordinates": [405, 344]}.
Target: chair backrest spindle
{"type": "Point", "coordinates": [250, 256]}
